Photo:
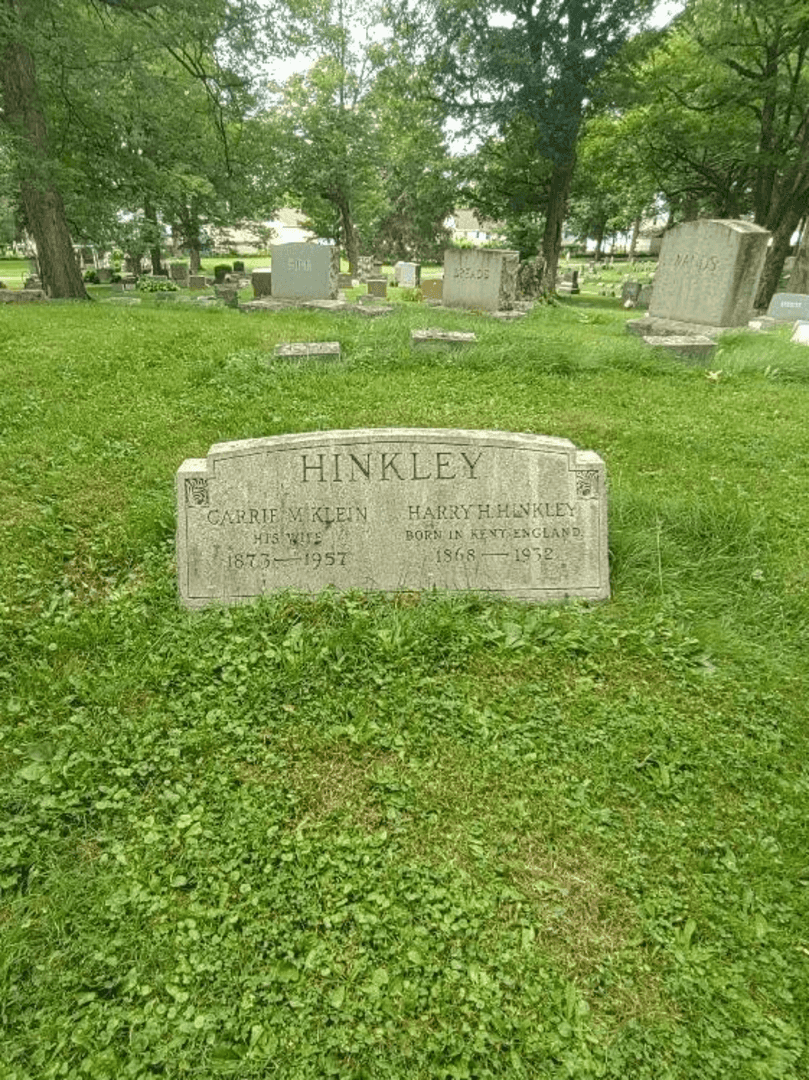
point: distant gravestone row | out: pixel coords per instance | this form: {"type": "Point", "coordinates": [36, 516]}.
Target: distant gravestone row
{"type": "Point", "coordinates": [393, 509]}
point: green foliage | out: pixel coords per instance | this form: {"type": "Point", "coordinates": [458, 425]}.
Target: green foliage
{"type": "Point", "coordinates": [435, 836]}
{"type": "Point", "coordinates": [154, 285]}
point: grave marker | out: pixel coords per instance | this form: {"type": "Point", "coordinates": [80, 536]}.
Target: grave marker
{"type": "Point", "coordinates": [261, 280]}
{"type": "Point", "coordinates": [481, 278]}
{"type": "Point", "coordinates": [393, 509]}
{"type": "Point", "coordinates": [305, 271]}
{"type": "Point", "coordinates": [708, 272]}
{"type": "Point", "coordinates": [787, 307]}
{"type": "Point", "coordinates": [432, 288]}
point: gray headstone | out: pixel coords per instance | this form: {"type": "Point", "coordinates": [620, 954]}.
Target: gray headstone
{"type": "Point", "coordinates": [393, 509]}
{"type": "Point", "coordinates": [407, 274]}
{"type": "Point", "coordinates": [345, 281]}
{"type": "Point", "coordinates": [630, 290]}
{"type": "Point", "coordinates": [196, 281]}
{"type": "Point", "coordinates": [709, 271]}
{"type": "Point", "coordinates": [377, 287]}
{"type": "Point", "coordinates": [480, 278]}
{"type": "Point", "coordinates": [787, 307]}
{"type": "Point", "coordinates": [305, 271]}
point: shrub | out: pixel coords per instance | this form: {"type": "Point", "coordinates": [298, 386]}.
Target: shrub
{"type": "Point", "coordinates": [147, 284]}
{"type": "Point", "coordinates": [91, 277]}
{"type": "Point", "coordinates": [238, 266]}
{"type": "Point", "coordinates": [220, 270]}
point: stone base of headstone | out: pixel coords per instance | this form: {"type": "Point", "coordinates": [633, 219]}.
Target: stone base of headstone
{"type": "Point", "coordinates": [22, 296]}
{"type": "Point", "coordinates": [303, 350]}
{"type": "Point", "coordinates": [800, 335]}
{"type": "Point", "coordinates": [652, 327]}
{"type": "Point", "coordinates": [683, 344]}
{"type": "Point", "coordinates": [763, 325]}
{"type": "Point", "coordinates": [451, 338]}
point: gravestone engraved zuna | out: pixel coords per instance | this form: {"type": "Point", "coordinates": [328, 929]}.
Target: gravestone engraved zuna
{"type": "Point", "coordinates": [305, 271]}
{"type": "Point", "coordinates": [393, 509]}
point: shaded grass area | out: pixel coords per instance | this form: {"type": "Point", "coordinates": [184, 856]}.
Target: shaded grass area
{"type": "Point", "coordinates": [409, 837]}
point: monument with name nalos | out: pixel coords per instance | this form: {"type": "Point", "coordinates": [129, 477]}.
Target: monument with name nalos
{"type": "Point", "coordinates": [480, 278]}
{"type": "Point", "coordinates": [305, 271]}
{"type": "Point", "coordinates": [393, 509]}
{"type": "Point", "coordinates": [708, 273]}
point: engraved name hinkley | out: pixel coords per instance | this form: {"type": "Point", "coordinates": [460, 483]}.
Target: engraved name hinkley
{"type": "Point", "coordinates": [393, 509]}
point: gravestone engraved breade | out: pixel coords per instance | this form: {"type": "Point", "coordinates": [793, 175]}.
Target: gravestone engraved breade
{"type": "Point", "coordinates": [708, 272]}
{"type": "Point", "coordinates": [393, 509]}
{"type": "Point", "coordinates": [305, 271]}
{"type": "Point", "coordinates": [482, 278]}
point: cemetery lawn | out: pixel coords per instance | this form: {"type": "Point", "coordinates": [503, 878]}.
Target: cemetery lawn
{"type": "Point", "coordinates": [415, 836]}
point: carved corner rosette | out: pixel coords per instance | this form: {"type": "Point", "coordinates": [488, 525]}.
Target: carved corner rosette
{"type": "Point", "coordinates": [588, 484]}
{"type": "Point", "coordinates": [196, 491]}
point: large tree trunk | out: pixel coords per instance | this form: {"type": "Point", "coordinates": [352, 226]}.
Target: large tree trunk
{"type": "Point", "coordinates": [150, 216]}
{"type": "Point", "coordinates": [42, 202]}
{"type": "Point", "coordinates": [554, 220]}
{"type": "Point", "coordinates": [799, 277]}
{"type": "Point", "coordinates": [776, 253]}
{"type": "Point", "coordinates": [350, 236]}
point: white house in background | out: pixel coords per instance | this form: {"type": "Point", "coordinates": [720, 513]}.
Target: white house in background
{"type": "Point", "coordinates": [249, 239]}
{"type": "Point", "coordinates": [466, 225]}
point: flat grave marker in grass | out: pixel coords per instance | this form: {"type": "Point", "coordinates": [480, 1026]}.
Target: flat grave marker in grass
{"type": "Point", "coordinates": [392, 510]}
{"type": "Point", "coordinates": [303, 350]}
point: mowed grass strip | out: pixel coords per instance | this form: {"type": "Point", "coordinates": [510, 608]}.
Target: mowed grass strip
{"type": "Point", "coordinates": [430, 836]}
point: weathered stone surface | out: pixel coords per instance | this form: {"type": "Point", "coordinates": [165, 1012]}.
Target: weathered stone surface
{"type": "Point", "coordinates": [377, 287]}
{"type": "Point", "coordinates": [762, 325]}
{"type": "Point", "coordinates": [644, 296]}
{"type": "Point", "coordinates": [432, 288]}
{"type": "Point", "coordinates": [630, 290]}
{"type": "Point", "coordinates": [788, 307]}
{"type": "Point", "coordinates": [196, 281]}
{"type": "Point", "coordinates": [393, 509]}
{"type": "Point", "coordinates": [22, 296]}
{"type": "Point", "coordinates": [800, 335]}
{"type": "Point", "coordinates": [301, 350]}
{"type": "Point", "coordinates": [507, 316]}
{"type": "Point", "coordinates": [441, 337]}
{"type": "Point", "coordinates": [407, 274]}
{"type": "Point", "coordinates": [305, 271]}
{"type": "Point", "coordinates": [345, 281]}
{"type": "Point", "coordinates": [696, 345]}
{"type": "Point", "coordinates": [365, 267]}
{"type": "Point", "coordinates": [122, 301]}
{"type": "Point", "coordinates": [482, 278]}
{"type": "Point", "coordinates": [179, 272]}
{"type": "Point", "coordinates": [650, 327]}
{"type": "Point", "coordinates": [229, 294]}
{"type": "Point", "coordinates": [261, 280]}
{"type": "Point", "coordinates": [708, 272]}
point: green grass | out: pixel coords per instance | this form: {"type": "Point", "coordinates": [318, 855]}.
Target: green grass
{"type": "Point", "coordinates": [427, 837]}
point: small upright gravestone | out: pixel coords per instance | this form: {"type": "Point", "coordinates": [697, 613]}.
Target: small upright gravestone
{"type": "Point", "coordinates": [393, 509]}
{"type": "Point", "coordinates": [377, 287]}
{"type": "Point", "coordinates": [483, 278]}
{"type": "Point", "coordinates": [432, 288]}
{"type": "Point", "coordinates": [179, 272]}
{"type": "Point", "coordinates": [407, 274]}
{"type": "Point", "coordinates": [787, 307]}
{"type": "Point", "coordinates": [261, 280]}
{"type": "Point", "coordinates": [569, 283]}
{"type": "Point", "coordinates": [196, 281]}
{"type": "Point", "coordinates": [305, 271]}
